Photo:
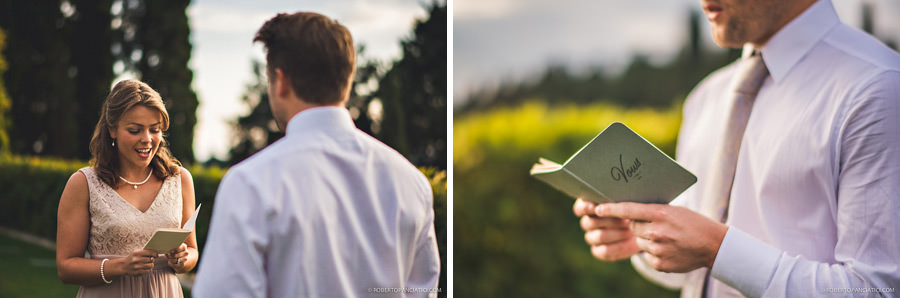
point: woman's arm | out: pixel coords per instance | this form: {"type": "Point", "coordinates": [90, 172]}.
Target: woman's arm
{"type": "Point", "coordinates": [73, 227]}
{"type": "Point", "coordinates": [187, 254]}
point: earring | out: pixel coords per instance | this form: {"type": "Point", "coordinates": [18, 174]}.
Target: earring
{"type": "Point", "coordinates": [114, 142]}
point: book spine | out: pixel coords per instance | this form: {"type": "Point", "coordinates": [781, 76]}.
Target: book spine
{"type": "Point", "coordinates": [589, 186]}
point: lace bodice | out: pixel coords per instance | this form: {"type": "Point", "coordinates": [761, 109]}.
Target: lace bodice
{"type": "Point", "coordinates": [117, 227]}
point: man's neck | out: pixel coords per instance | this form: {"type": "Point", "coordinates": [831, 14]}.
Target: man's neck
{"type": "Point", "coordinates": [793, 12]}
{"type": "Point", "coordinates": [301, 106]}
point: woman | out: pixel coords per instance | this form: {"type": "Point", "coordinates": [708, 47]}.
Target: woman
{"type": "Point", "coordinates": [111, 208]}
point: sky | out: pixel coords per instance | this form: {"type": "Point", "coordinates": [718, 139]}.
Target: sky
{"type": "Point", "coordinates": [503, 41]}
{"type": "Point", "coordinates": [222, 33]}
{"type": "Point", "coordinates": [494, 41]}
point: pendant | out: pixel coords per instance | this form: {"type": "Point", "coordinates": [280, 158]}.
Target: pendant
{"type": "Point", "coordinates": [135, 186]}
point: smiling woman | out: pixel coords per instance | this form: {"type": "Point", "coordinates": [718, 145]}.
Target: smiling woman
{"type": "Point", "coordinates": [102, 210]}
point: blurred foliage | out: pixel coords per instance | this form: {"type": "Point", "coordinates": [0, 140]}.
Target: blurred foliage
{"type": "Point", "coordinates": [4, 100]}
{"type": "Point", "coordinates": [640, 84]}
{"type": "Point", "coordinates": [91, 70]}
{"type": "Point", "coordinates": [31, 187]}
{"type": "Point", "coordinates": [256, 130]}
{"type": "Point", "coordinates": [63, 56]}
{"type": "Point", "coordinates": [155, 40]}
{"type": "Point", "coordinates": [517, 237]}
{"type": "Point", "coordinates": [413, 94]}
{"type": "Point", "coordinates": [404, 104]}
{"type": "Point", "coordinates": [39, 78]}
{"type": "Point", "coordinates": [438, 179]}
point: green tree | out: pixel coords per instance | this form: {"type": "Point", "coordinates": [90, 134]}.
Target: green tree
{"type": "Point", "coordinates": [62, 54]}
{"type": "Point", "coordinates": [256, 130]}
{"type": "Point", "coordinates": [413, 94]}
{"type": "Point", "coordinates": [4, 100]}
{"type": "Point", "coordinates": [641, 83]}
{"type": "Point", "coordinates": [154, 40]}
{"type": "Point", "coordinates": [39, 78]}
{"type": "Point", "coordinates": [91, 67]}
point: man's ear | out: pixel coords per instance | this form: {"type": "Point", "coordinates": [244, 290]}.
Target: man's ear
{"type": "Point", "coordinates": [282, 83]}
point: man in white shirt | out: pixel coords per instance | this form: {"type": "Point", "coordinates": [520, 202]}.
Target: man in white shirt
{"type": "Point", "coordinates": [814, 203]}
{"type": "Point", "coordinates": [327, 210]}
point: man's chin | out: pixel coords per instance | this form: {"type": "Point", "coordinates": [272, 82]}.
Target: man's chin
{"type": "Point", "coordinates": [722, 40]}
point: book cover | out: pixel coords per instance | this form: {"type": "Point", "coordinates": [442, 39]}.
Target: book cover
{"type": "Point", "coordinates": [165, 239]}
{"type": "Point", "coordinates": [618, 165]}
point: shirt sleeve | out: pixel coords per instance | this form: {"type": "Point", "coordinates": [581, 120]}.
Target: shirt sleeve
{"type": "Point", "coordinates": [867, 261]}
{"type": "Point", "coordinates": [671, 281]}
{"type": "Point", "coordinates": [233, 256]}
{"type": "Point", "coordinates": [426, 268]}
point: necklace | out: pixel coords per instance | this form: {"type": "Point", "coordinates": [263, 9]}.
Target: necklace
{"type": "Point", "coordinates": [136, 184]}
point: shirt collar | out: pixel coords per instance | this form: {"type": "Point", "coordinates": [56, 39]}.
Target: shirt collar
{"type": "Point", "coordinates": [790, 44]}
{"type": "Point", "coordinates": [320, 117]}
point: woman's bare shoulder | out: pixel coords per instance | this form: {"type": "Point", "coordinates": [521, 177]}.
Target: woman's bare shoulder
{"type": "Point", "coordinates": [77, 187]}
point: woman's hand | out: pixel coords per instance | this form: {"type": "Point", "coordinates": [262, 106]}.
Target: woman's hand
{"type": "Point", "coordinates": [178, 258]}
{"type": "Point", "coordinates": [138, 262]}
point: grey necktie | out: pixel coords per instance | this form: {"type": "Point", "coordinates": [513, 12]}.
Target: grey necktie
{"type": "Point", "coordinates": [717, 191]}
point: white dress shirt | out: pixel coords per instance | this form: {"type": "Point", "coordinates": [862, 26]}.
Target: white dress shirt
{"type": "Point", "coordinates": [816, 196]}
{"type": "Point", "coordinates": [326, 211]}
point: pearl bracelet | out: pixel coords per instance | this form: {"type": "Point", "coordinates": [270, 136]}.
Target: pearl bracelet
{"type": "Point", "coordinates": [102, 276]}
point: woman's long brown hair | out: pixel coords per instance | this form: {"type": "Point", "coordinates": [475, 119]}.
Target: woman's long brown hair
{"type": "Point", "coordinates": [124, 96]}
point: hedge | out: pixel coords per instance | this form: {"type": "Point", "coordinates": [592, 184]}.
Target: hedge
{"type": "Point", "coordinates": [30, 188]}
{"type": "Point", "coordinates": [517, 237]}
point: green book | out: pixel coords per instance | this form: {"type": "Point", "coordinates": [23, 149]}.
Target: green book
{"type": "Point", "coordinates": [618, 165]}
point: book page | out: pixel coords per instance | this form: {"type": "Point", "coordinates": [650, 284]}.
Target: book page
{"type": "Point", "coordinates": [189, 225]}
{"type": "Point", "coordinates": [165, 239]}
{"type": "Point", "coordinates": [545, 165]}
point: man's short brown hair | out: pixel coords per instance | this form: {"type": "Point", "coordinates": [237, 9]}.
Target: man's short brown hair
{"type": "Point", "coordinates": [314, 51]}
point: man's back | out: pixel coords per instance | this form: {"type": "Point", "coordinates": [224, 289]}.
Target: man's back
{"type": "Point", "coordinates": [327, 211]}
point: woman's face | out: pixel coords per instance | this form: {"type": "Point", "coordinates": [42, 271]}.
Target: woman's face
{"type": "Point", "coordinates": [138, 135]}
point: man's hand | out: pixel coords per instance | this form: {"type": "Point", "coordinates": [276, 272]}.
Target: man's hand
{"type": "Point", "coordinates": [676, 239]}
{"type": "Point", "coordinates": [610, 238]}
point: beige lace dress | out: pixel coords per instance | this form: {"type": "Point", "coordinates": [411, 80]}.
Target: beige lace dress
{"type": "Point", "coordinates": [118, 228]}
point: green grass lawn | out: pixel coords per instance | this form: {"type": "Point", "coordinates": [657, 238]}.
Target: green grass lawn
{"type": "Point", "coordinates": [30, 271]}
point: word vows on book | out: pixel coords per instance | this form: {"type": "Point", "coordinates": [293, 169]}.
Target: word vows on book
{"type": "Point", "coordinates": [618, 165]}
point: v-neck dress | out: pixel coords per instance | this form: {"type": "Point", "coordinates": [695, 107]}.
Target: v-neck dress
{"type": "Point", "coordinates": [118, 228]}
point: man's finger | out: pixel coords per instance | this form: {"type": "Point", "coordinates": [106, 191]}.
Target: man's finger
{"type": "Point", "coordinates": [592, 223]}
{"type": "Point", "coordinates": [614, 252]}
{"type": "Point", "coordinates": [582, 208]}
{"type": "Point", "coordinates": [633, 211]}
{"type": "Point", "coordinates": [601, 237]}
{"type": "Point", "coordinates": [653, 261]}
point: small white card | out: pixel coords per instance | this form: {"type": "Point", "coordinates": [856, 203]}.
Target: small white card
{"type": "Point", "coordinates": [165, 239]}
